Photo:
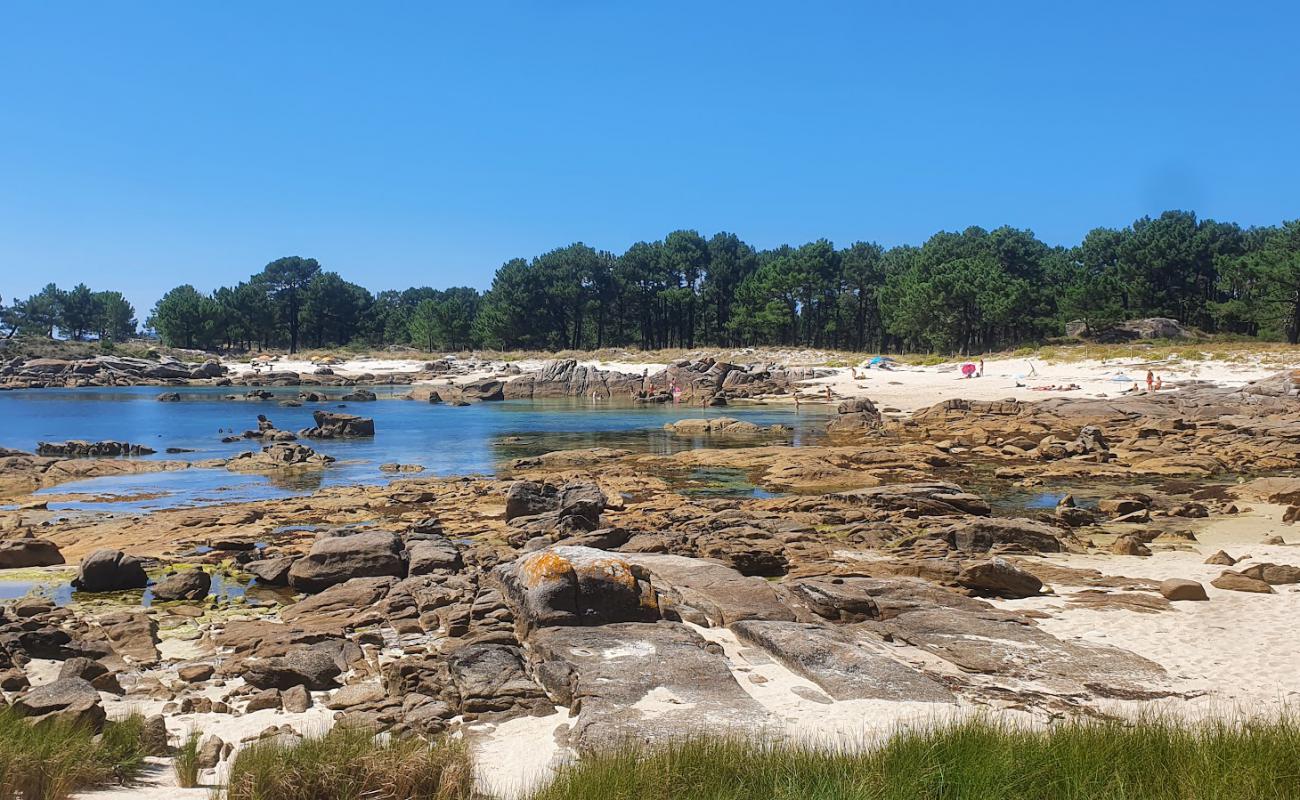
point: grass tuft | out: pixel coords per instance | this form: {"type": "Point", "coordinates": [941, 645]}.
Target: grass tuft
{"type": "Point", "coordinates": [186, 761]}
{"type": "Point", "coordinates": [53, 760]}
{"type": "Point", "coordinates": [351, 764]}
{"type": "Point", "coordinates": [978, 759]}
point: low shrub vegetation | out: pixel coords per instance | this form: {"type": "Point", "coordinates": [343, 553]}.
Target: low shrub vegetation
{"type": "Point", "coordinates": [973, 760]}
{"type": "Point", "coordinates": [52, 760]}
{"type": "Point", "coordinates": [351, 764]}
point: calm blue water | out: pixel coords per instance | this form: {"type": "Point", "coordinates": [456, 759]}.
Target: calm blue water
{"type": "Point", "coordinates": [474, 439]}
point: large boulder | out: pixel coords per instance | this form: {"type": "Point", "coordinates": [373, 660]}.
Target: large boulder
{"type": "Point", "coordinates": [29, 552]}
{"type": "Point", "coordinates": [707, 592]}
{"type": "Point", "coordinates": [311, 667]}
{"type": "Point", "coordinates": [273, 571]}
{"type": "Point", "coordinates": [70, 700]}
{"type": "Point", "coordinates": [999, 578]}
{"type": "Point", "coordinates": [491, 677]}
{"type": "Point", "coordinates": [133, 635]}
{"type": "Point", "coordinates": [576, 505]}
{"type": "Point", "coordinates": [110, 571]}
{"type": "Point", "coordinates": [641, 682]}
{"type": "Point", "coordinates": [565, 585]}
{"type": "Point", "coordinates": [722, 426]}
{"type": "Point", "coordinates": [529, 498]}
{"type": "Point", "coordinates": [432, 554]}
{"type": "Point", "coordinates": [335, 559]}
{"type": "Point", "coordinates": [189, 584]}
{"type": "Point", "coordinates": [582, 501]}
{"type": "Point", "coordinates": [332, 425]}
{"type": "Point", "coordinates": [981, 535]}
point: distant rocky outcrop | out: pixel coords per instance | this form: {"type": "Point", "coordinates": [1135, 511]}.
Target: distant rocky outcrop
{"type": "Point", "coordinates": [281, 455]}
{"type": "Point", "coordinates": [723, 426]}
{"type": "Point", "coordinates": [74, 448]}
{"type": "Point", "coordinates": [105, 370]}
{"type": "Point", "coordinates": [705, 380]}
{"type": "Point", "coordinates": [334, 425]}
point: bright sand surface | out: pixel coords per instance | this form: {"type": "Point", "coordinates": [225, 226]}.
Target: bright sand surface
{"type": "Point", "coordinates": [908, 388]}
{"type": "Point", "coordinates": [1238, 651]}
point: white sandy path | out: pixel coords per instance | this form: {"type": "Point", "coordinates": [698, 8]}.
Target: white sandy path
{"type": "Point", "coordinates": [513, 757]}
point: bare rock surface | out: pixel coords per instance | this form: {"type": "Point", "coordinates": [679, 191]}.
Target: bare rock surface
{"type": "Point", "coordinates": [845, 663]}
{"type": "Point", "coordinates": [642, 682]}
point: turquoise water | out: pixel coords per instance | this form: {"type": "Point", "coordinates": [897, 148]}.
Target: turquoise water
{"type": "Point", "coordinates": [474, 439]}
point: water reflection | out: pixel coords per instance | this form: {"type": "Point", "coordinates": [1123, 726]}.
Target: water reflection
{"type": "Point", "coordinates": [444, 440]}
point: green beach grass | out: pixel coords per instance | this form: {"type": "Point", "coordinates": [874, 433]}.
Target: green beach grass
{"type": "Point", "coordinates": [351, 764]}
{"type": "Point", "coordinates": [52, 760]}
{"type": "Point", "coordinates": [978, 759]}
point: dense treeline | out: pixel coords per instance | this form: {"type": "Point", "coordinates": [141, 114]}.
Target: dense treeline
{"type": "Point", "coordinates": [77, 313]}
{"type": "Point", "coordinates": [972, 291]}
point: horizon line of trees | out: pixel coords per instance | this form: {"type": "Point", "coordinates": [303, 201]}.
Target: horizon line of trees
{"type": "Point", "coordinates": [960, 292]}
{"type": "Point", "coordinates": [77, 313]}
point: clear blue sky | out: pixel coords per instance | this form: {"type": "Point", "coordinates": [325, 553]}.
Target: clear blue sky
{"type": "Point", "coordinates": [144, 145]}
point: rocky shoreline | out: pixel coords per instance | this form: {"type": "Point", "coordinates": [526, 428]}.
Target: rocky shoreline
{"type": "Point", "coordinates": [586, 596]}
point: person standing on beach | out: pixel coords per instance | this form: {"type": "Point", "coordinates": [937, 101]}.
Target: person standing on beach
{"type": "Point", "coordinates": [980, 374]}
{"type": "Point", "coordinates": [1151, 379]}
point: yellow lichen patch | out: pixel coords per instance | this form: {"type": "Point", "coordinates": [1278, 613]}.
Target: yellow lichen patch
{"type": "Point", "coordinates": [546, 566]}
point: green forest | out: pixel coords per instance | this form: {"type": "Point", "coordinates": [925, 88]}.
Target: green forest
{"type": "Point", "coordinates": [973, 291]}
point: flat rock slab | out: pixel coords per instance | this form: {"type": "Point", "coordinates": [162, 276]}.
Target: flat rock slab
{"type": "Point", "coordinates": [854, 599]}
{"type": "Point", "coordinates": [846, 666]}
{"type": "Point", "coordinates": [993, 644]}
{"type": "Point", "coordinates": [641, 682]}
{"type": "Point", "coordinates": [707, 592]}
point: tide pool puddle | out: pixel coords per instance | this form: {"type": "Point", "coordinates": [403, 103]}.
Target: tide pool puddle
{"type": "Point", "coordinates": [722, 482]}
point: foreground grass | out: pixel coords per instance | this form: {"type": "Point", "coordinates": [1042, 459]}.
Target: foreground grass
{"type": "Point", "coordinates": [973, 760]}
{"type": "Point", "coordinates": [51, 761]}
{"type": "Point", "coordinates": [351, 764]}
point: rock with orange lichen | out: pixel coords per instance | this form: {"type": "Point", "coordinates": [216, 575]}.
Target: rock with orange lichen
{"type": "Point", "coordinates": [565, 585]}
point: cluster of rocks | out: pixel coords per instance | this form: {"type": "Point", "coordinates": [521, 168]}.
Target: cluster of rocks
{"type": "Point", "coordinates": [705, 380]}
{"type": "Point", "coordinates": [104, 370]}
{"type": "Point", "coordinates": [279, 456]}
{"type": "Point", "coordinates": [1199, 431]}
{"type": "Point", "coordinates": [335, 425]}
{"type": "Point", "coordinates": [586, 581]}
{"type": "Point", "coordinates": [75, 448]}
{"type": "Point", "coordinates": [722, 426]}
{"type": "Point", "coordinates": [473, 391]}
